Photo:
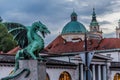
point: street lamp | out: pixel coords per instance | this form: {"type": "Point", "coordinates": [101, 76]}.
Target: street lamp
{"type": "Point", "coordinates": [87, 56]}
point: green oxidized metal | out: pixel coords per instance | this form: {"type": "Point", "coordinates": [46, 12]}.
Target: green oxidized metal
{"type": "Point", "coordinates": [73, 14]}
{"type": "Point", "coordinates": [29, 40]}
{"type": "Point", "coordinates": [74, 27]}
{"type": "Point", "coordinates": [94, 21]}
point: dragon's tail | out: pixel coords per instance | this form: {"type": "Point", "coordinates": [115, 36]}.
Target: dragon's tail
{"type": "Point", "coordinates": [17, 73]}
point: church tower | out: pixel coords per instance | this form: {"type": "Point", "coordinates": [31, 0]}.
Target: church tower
{"type": "Point", "coordinates": [118, 30]}
{"type": "Point", "coordinates": [94, 25]}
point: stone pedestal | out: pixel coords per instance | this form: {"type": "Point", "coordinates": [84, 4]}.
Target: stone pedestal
{"type": "Point", "coordinates": [37, 70]}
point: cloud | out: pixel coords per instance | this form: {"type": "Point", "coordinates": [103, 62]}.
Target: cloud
{"type": "Point", "coordinates": [104, 22]}
{"type": "Point", "coordinates": [55, 14]}
{"type": "Point", "coordinates": [109, 35]}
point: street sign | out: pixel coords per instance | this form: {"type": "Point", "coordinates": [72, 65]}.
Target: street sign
{"type": "Point", "coordinates": [82, 55]}
{"type": "Point", "coordinates": [89, 57]}
{"type": "Point", "coordinates": [87, 62]}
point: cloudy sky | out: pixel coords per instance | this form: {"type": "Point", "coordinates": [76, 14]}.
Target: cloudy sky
{"type": "Point", "coordinates": [56, 13]}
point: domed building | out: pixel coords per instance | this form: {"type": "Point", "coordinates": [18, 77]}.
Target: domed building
{"type": "Point", "coordinates": [66, 53]}
{"type": "Point", "coordinates": [63, 54]}
{"type": "Point", "coordinates": [73, 30]}
{"type": "Point", "coordinates": [72, 41]}
{"type": "Point", "coordinates": [69, 45]}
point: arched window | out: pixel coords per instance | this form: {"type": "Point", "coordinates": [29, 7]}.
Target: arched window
{"type": "Point", "coordinates": [117, 76]}
{"type": "Point", "coordinates": [65, 76]}
{"type": "Point", "coordinates": [47, 76]}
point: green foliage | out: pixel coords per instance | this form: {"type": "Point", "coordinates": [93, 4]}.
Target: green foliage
{"type": "Point", "coordinates": [6, 40]}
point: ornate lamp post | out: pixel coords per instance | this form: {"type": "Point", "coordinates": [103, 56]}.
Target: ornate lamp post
{"type": "Point", "coordinates": [86, 58]}
{"type": "Point", "coordinates": [89, 55]}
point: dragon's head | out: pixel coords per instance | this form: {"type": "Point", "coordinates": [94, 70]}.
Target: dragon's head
{"type": "Point", "coordinates": [41, 28]}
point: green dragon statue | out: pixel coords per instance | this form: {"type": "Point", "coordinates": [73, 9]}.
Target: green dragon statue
{"type": "Point", "coordinates": [28, 39]}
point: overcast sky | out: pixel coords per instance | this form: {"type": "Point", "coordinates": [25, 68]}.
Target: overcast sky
{"type": "Point", "coordinates": [56, 13]}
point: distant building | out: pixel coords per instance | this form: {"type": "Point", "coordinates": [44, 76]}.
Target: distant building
{"type": "Point", "coordinates": [63, 53]}
{"type": "Point", "coordinates": [94, 25]}
{"type": "Point", "coordinates": [118, 30]}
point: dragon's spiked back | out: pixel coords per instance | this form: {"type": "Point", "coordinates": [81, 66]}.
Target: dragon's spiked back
{"type": "Point", "coordinates": [19, 32]}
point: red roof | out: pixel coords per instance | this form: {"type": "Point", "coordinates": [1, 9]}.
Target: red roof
{"type": "Point", "coordinates": [59, 45]}
{"type": "Point", "coordinates": [14, 50]}
{"type": "Point", "coordinates": [1, 52]}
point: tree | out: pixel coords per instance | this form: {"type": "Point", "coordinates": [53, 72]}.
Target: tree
{"type": "Point", "coordinates": [6, 39]}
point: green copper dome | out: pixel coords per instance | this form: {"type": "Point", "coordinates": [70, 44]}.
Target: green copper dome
{"type": "Point", "coordinates": [73, 14]}
{"type": "Point", "coordinates": [74, 26]}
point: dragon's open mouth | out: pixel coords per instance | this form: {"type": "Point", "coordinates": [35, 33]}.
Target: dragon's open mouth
{"type": "Point", "coordinates": [44, 33]}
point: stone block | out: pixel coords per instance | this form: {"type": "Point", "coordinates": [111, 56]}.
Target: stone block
{"type": "Point", "coordinates": [37, 70]}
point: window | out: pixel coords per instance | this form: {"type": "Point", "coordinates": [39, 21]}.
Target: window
{"type": "Point", "coordinates": [65, 76]}
{"type": "Point", "coordinates": [117, 76]}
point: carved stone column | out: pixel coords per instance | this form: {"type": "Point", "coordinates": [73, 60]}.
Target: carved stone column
{"type": "Point", "coordinates": [81, 71]}
{"type": "Point", "coordinates": [93, 71]}
{"type": "Point", "coordinates": [99, 72]}
{"type": "Point", "coordinates": [104, 72]}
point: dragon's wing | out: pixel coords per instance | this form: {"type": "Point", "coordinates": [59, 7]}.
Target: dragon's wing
{"type": "Point", "coordinates": [19, 32]}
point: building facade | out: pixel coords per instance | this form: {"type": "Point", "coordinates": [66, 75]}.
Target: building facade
{"type": "Point", "coordinates": [63, 67]}
{"type": "Point", "coordinates": [63, 54]}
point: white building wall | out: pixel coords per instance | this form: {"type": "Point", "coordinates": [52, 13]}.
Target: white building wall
{"type": "Point", "coordinates": [66, 58]}
{"type": "Point", "coordinates": [113, 74]}
{"type": "Point", "coordinates": [116, 58]}
{"type": "Point", "coordinates": [118, 33]}
{"type": "Point", "coordinates": [54, 73]}
{"type": "Point", "coordinates": [114, 55]}
{"type": "Point", "coordinates": [69, 37]}
{"type": "Point", "coordinates": [5, 70]}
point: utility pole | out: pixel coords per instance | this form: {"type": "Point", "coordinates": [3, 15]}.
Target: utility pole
{"type": "Point", "coordinates": [86, 58]}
